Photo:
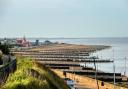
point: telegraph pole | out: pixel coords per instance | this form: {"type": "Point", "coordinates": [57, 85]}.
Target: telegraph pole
{"type": "Point", "coordinates": [114, 70]}
{"type": "Point", "coordinates": [125, 66]}
{"type": "Point", "coordinates": [96, 74]}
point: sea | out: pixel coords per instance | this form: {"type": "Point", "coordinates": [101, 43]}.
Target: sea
{"type": "Point", "coordinates": [118, 51]}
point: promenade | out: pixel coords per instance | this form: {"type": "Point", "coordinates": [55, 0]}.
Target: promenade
{"type": "Point", "coordinates": [83, 82]}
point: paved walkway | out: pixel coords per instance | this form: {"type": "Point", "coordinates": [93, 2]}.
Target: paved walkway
{"type": "Point", "coordinates": [83, 82]}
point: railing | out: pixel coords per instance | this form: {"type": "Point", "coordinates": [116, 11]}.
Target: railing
{"type": "Point", "coordinates": [6, 69]}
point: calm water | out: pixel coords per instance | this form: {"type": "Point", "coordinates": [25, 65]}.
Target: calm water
{"type": "Point", "coordinates": [119, 45]}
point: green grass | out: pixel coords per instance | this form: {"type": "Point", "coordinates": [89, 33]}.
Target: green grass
{"type": "Point", "coordinates": [21, 79]}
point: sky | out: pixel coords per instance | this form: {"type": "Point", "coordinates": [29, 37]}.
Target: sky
{"type": "Point", "coordinates": [64, 18]}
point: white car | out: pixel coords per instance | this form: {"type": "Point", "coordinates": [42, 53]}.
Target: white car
{"type": "Point", "coordinates": [70, 83]}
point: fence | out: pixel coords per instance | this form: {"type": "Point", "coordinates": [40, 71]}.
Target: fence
{"type": "Point", "coordinates": [5, 70]}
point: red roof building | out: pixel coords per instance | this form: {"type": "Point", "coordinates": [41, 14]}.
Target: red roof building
{"type": "Point", "coordinates": [22, 42]}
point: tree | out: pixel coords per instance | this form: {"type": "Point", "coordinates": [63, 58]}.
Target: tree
{"type": "Point", "coordinates": [4, 48]}
{"type": "Point", "coordinates": [1, 54]}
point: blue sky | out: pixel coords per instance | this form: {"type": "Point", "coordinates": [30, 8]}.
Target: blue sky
{"type": "Point", "coordinates": [64, 18]}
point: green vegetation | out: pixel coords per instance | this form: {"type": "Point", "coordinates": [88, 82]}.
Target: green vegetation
{"type": "Point", "coordinates": [29, 75]}
{"type": "Point", "coordinates": [1, 54]}
{"type": "Point", "coordinates": [122, 84]}
{"type": "Point", "coordinates": [4, 48]}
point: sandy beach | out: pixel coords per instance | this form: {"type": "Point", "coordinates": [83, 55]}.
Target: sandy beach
{"type": "Point", "coordinates": [54, 52]}
{"type": "Point", "coordinates": [86, 82]}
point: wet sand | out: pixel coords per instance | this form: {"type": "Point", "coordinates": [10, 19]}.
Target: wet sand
{"type": "Point", "coordinates": [69, 47]}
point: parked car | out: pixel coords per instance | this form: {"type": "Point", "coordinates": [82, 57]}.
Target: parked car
{"type": "Point", "coordinates": [70, 83]}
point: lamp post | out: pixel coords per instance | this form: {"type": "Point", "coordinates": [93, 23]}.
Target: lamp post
{"type": "Point", "coordinates": [114, 70]}
{"type": "Point", "coordinates": [125, 66]}
{"type": "Point", "coordinates": [96, 73]}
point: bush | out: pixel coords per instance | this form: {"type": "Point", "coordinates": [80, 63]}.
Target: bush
{"type": "Point", "coordinates": [1, 61]}
{"type": "Point", "coordinates": [4, 48]}
{"type": "Point", "coordinates": [22, 79]}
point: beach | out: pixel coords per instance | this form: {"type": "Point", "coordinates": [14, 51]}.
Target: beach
{"type": "Point", "coordinates": [118, 45]}
{"type": "Point", "coordinates": [86, 82]}
{"type": "Point", "coordinates": [70, 56]}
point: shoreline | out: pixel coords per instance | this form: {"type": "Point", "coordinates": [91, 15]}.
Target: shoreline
{"type": "Point", "coordinates": [68, 51]}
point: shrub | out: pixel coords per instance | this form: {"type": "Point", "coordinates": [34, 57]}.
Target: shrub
{"type": "Point", "coordinates": [22, 79]}
{"type": "Point", "coordinates": [4, 48]}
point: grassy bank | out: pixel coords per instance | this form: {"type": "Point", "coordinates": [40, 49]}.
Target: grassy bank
{"type": "Point", "coordinates": [29, 75]}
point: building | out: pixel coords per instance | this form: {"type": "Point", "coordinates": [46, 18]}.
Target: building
{"type": "Point", "coordinates": [47, 42]}
{"type": "Point", "coordinates": [22, 42]}
{"type": "Point", "coordinates": [37, 42]}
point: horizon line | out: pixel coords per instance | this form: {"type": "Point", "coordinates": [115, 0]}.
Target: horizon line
{"type": "Point", "coordinates": [57, 37]}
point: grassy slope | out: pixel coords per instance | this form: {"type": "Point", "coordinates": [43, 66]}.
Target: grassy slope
{"type": "Point", "coordinates": [21, 79]}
